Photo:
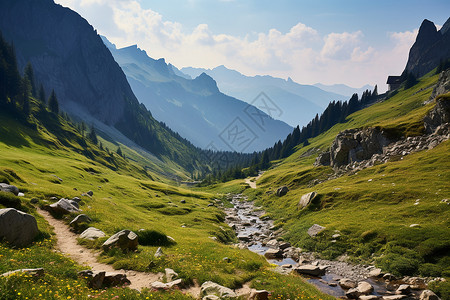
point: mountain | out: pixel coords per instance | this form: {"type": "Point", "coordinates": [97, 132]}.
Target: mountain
{"type": "Point", "coordinates": [69, 57]}
{"type": "Point", "coordinates": [430, 48]}
{"type": "Point", "coordinates": [343, 89]}
{"type": "Point", "coordinates": [297, 103]}
{"type": "Point", "coordinates": [196, 108]}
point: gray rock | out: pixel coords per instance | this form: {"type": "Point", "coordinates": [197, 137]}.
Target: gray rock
{"type": "Point", "coordinates": [324, 159]}
{"type": "Point", "coordinates": [369, 297]}
{"type": "Point", "coordinates": [428, 295]}
{"type": "Point", "coordinates": [403, 289]}
{"type": "Point", "coordinates": [80, 219]}
{"type": "Point", "coordinates": [281, 191]}
{"type": "Point", "coordinates": [315, 230]}
{"type": "Point", "coordinates": [346, 283]}
{"type": "Point", "coordinates": [175, 283]}
{"type": "Point", "coordinates": [74, 203]}
{"type": "Point", "coordinates": [284, 245]}
{"type": "Point", "coordinates": [125, 239]}
{"type": "Point", "coordinates": [352, 293]}
{"type": "Point", "coordinates": [394, 297]}
{"type": "Point", "coordinates": [212, 288]}
{"type": "Point", "coordinates": [100, 279]}
{"type": "Point", "coordinates": [63, 206]}
{"type": "Point", "coordinates": [273, 253]}
{"type": "Point", "coordinates": [171, 275]}
{"type": "Point", "coordinates": [17, 227]}
{"type": "Point", "coordinates": [259, 295]}
{"type": "Point", "coordinates": [159, 252]}
{"type": "Point", "coordinates": [90, 193]}
{"type": "Point", "coordinates": [306, 199]}
{"type": "Point", "coordinates": [441, 87]}
{"type": "Point", "coordinates": [183, 201]}
{"type": "Point", "coordinates": [310, 270]}
{"type": "Point", "coordinates": [389, 276]}
{"type": "Point", "coordinates": [157, 285]}
{"type": "Point", "coordinates": [76, 199]}
{"type": "Point", "coordinates": [92, 233]}
{"type": "Point", "coordinates": [364, 288]}
{"type": "Point", "coordinates": [272, 244]}
{"type": "Point", "coordinates": [4, 187]}
{"type": "Point", "coordinates": [439, 115]}
{"type": "Point", "coordinates": [39, 272]}
{"type": "Point", "coordinates": [376, 273]}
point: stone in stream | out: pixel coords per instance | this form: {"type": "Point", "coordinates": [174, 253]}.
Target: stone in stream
{"type": "Point", "coordinates": [125, 239]}
{"type": "Point", "coordinates": [244, 237]}
{"type": "Point", "coordinates": [364, 288]}
{"type": "Point", "coordinates": [273, 244]}
{"type": "Point", "coordinates": [428, 295]}
{"type": "Point", "coordinates": [310, 270]}
{"type": "Point", "coordinates": [274, 253]}
{"type": "Point", "coordinates": [403, 289]}
{"type": "Point", "coordinates": [212, 288]}
{"type": "Point", "coordinates": [284, 245]}
{"type": "Point", "coordinates": [92, 233]}
{"type": "Point", "coordinates": [346, 283]}
{"type": "Point", "coordinates": [376, 273]}
{"type": "Point", "coordinates": [17, 227]}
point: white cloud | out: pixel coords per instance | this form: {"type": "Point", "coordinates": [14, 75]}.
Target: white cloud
{"type": "Point", "coordinates": [301, 52]}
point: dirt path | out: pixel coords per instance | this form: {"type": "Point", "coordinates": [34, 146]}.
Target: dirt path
{"type": "Point", "coordinates": [67, 244]}
{"type": "Point", "coordinates": [252, 180]}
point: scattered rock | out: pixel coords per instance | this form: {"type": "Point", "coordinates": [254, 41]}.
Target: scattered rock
{"type": "Point", "coordinates": [177, 283]}
{"type": "Point", "coordinates": [183, 201]}
{"type": "Point", "coordinates": [17, 227]}
{"type": "Point", "coordinates": [364, 288]}
{"type": "Point", "coordinates": [4, 187]}
{"type": "Point", "coordinates": [90, 193]}
{"type": "Point", "coordinates": [62, 207]}
{"type": "Point", "coordinates": [170, 274]}
{"type": "Point", "coordinates": [259, 295]}
{"type": "Point", "coordinates": [92, 233]}
{"type": "Point", "coordinates": [211, 288]}
{"type": "Point", "coordinates": [389, 276]}
{"type": "Point", "coordinates": [281, 191]}
{"type": "Point", "coordinates": [376, 273]}
{"type": "Point", "coordinates": [369, 297]}
{"type": "Point", "coordinates": [315, 230]}
{"type": "Point", "coordinates": [76, 199]}
{"type": "Point", "coordinates": [159, 252]}
{"type": "Point", "coordinates": [39, 272]}
{"type": "Point", "coordinates": [226, 259]}
{"type": "Point", "coordinates": [352, 293]}
{"type": "Point", "coordinates": [394, 297]}
{"type": "Point", "coordinates": [403, 289]}
{"type": "Point", "coordinates": [158, 285]}
{"type": "Point", "coordinates": [306, 199]}
{"type": "Point", "coordinates": [440, 114]}
{"type": "Point", "coordinates": [428, 295]}
{"type": "Point", "coordinates": [274, 253]}
{"type": "Point", "coordinates": [272, 244]}
{"type": "Point", "coordinates": [346, 283]}
{"type": "Point", "coordinates": [100, 279]}
{"type": "Point", "coordinates": [310, 270]}
{"type": "Point", "coordinates": [125, 239]}
{"type": "Point", "coordinates": [284, 245]}
{"type": "Point", "coordinates": [80, 219]}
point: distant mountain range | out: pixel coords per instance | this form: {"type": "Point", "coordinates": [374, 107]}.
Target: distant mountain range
{"type": "Point", "coordinates": [298, 103]}
{"type": "Point", "coordinates": [196, 108]}
{"type": "Point", "coordinates": [343, 89]}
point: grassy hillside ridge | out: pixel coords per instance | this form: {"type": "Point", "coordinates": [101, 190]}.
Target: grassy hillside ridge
{"type": "Point", "coordinates": [374, 208]}
{"type": "Point", "coordinates": [50, 158]}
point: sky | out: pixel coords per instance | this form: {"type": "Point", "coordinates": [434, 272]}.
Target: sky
{"type": "Point", "coordinates": [354, 42]}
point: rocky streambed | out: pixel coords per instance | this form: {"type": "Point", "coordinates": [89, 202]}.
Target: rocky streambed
{"type": "Point", "coordinates": [337, 278]}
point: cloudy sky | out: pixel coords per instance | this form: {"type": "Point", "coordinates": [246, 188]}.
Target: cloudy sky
{"type": "Point", "coordinates": [354, 42]}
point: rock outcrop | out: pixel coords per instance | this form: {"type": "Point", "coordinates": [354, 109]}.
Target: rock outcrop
{"type": "Point", "coordinates": [125, 239]}
{"type": "Point", "coordinates": [438, 116]}
{"type": "Point", "coordinates": [92, 233]}
{"type": "Point", "coordinates": [441, 87]}
{"type": "Point", "coordinates": [17, 227]}
{"type": "Point", "coordinates": [62, 207]}
{"type": "Point", "coordinates": [306, 199]}
{"type": "Point", "coordinates": [4, 187]}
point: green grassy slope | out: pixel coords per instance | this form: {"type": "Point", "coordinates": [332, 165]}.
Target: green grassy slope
{"type": "Point", "coordinates": [51, 159]}
{"type": "Point", "coordinates": [374, 208]}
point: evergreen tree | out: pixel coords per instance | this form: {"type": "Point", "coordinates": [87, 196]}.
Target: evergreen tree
{"type": "Point", "coordinates": [375, 91]}
{"type": "Point", "coordinates": [119, 152]}
{"type": "Point", "coordinates": [25, 91]}
{"type": "Point", "coordinates": [53, 104]}
{"type": "Point", "coordinates": [29, 74]}
{"type": "Point", "coordinates": [41, 94]}
{"type": "Point", "coordinates": [92, 136]}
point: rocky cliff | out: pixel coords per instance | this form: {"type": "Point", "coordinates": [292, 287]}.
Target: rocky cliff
{"type": "Point", "coordinates": [67, 56]}
{"type": "Point", "coordinates": [430, 48]}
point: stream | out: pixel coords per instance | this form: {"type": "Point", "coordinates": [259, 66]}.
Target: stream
{"type": "Point", "coordinates": [258, 235]}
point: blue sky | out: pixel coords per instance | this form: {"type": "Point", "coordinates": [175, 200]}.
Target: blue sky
{"type": "Point", "coordinates": [328, 41]}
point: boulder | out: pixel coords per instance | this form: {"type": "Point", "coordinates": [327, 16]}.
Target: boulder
{"type": "Point", "coordinates": [281, 191]}
{"type": "Point", "coordinates": [17, 227]}
{"type": "Point", "coordinates": [92, 233]}
{"type": "Point", "coordinates": [369, 297]}
{"type": "Point", "coordinates": [39, 272]}
{"type": "Point", "coordinates": [4, 187]}
{"type": "Point", "coordinates": [63, 206]}
{"type": "Point", "coordinates": [403, 289]}
{"type": "Point", "coordinates": [439, 115]}
{"type": "Point", "coordinates": [310, 270]}
{"type": "Point", "coordinates": [158, 285]}
{"type": "Point", "coordinates": [90, 193]}
{"type": "Point", "coordinates": [170, 274]}
{"type": "Point", "coordinates": [272, 244]}
{"type": "Point", "coordinates": [315, 230]}
{"type": "Point", "coordinates": [284, 245]}
{"type": "Point", "coordinates": [442, 86]}
{"type": "Point", "coordinates": [274, 253]}
{"type": "Point", "coordinates": [395, 297]}
{"type": "Point", "coordinates": [324, 159]}
{"type": "Point", "coordinates": [212, 288]}
{"type": "Point", "coordinates": [306, 199]}
{"type": "Point", "coordinates": [159, 252]}
{"type": "Point", "coordinates": [346, 283]}
{"type": "Point", "coordinates": [364, 288]}
{"type": "Point", "coordinates": [80, 219]}
{"type": "Point", "coordinates": [125, 239]}
{"type": "Point", "coordinates": [389, 276]}
{"type": "Point", "coordinates": [100, 279]}
{"type": "Point", "coordinates": [376, 273]}
{"type": "Point", "coordinates": [352, 293]}
{"type": "Point", "coordinates": [259, 295]}
{"type": "Point", "coordinates": [175, 283]}
{"type": "Point", "coordinates": [428, 295]}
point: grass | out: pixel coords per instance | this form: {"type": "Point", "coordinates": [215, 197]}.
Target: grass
{"type": "Point", "coordinates": [374, 208]}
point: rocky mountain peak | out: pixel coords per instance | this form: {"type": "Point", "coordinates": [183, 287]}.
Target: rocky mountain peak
{"type": "Point", "coordinates": [428, 33]}
{"type": "Point", "coordinates": [207, 82]}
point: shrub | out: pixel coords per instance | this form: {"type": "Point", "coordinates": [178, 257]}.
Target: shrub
{"type": "Point", "coordinates": [399, 265]}
{"type": "Point", "coordinates": [149, 237]}
{"type": "Point", "coordinates": [430, 270]}
{"type": "Point", "coordinates": [8, 199]}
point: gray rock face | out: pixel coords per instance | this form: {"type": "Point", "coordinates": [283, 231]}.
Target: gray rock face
{"type": "Point", "coordinates": [356, 145]}
{"type": "Point", "coordinates": [439, 115]}
{"type": "Point", "coordinates": [442, 86]}
{"type": "Point", "coordinates": [315, 230]}
{"type": "Point", "coordinates": [17, 227]}
{"type": "Point", "coordinates": [80, 219]}
{"type": "Point", "coordinates": [92, 233]}
{"type": "Point", "coordinates": [212, 288]}
{"type": "Point", "coordinates": [4, 187]}
{"type": "Point", "coordinates": [125, 239]}
{"type": "Point", "coordinates": [306, 199]}
{"type": "Point", "coordinates": [282, 191]}
{"type": "Point", "coordinates": [324, 159]}
{"type": "Point", "coordinates": [63, 206]}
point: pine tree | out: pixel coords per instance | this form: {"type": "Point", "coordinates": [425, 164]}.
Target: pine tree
{"type": "Point", "coordinates": [53, 104]}
{"type": "Point", "coordinates": [92, 136]}
{"type": "Point", "coordinates": [25, 91]}
{"type": "Point", "coordinates": [29, 74]}
{"type": "Point", "coordinates": [41, 94]}
{"type": "Point", "coordinates": [119, 152]}
{"type": "Point", "coordinates": [375, 91]}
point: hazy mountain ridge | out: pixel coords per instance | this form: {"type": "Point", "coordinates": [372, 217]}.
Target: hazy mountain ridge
{"type": "Point", "coordinates": [195, 108]}
{"type": "Point", "coordinates": [343, 89]}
